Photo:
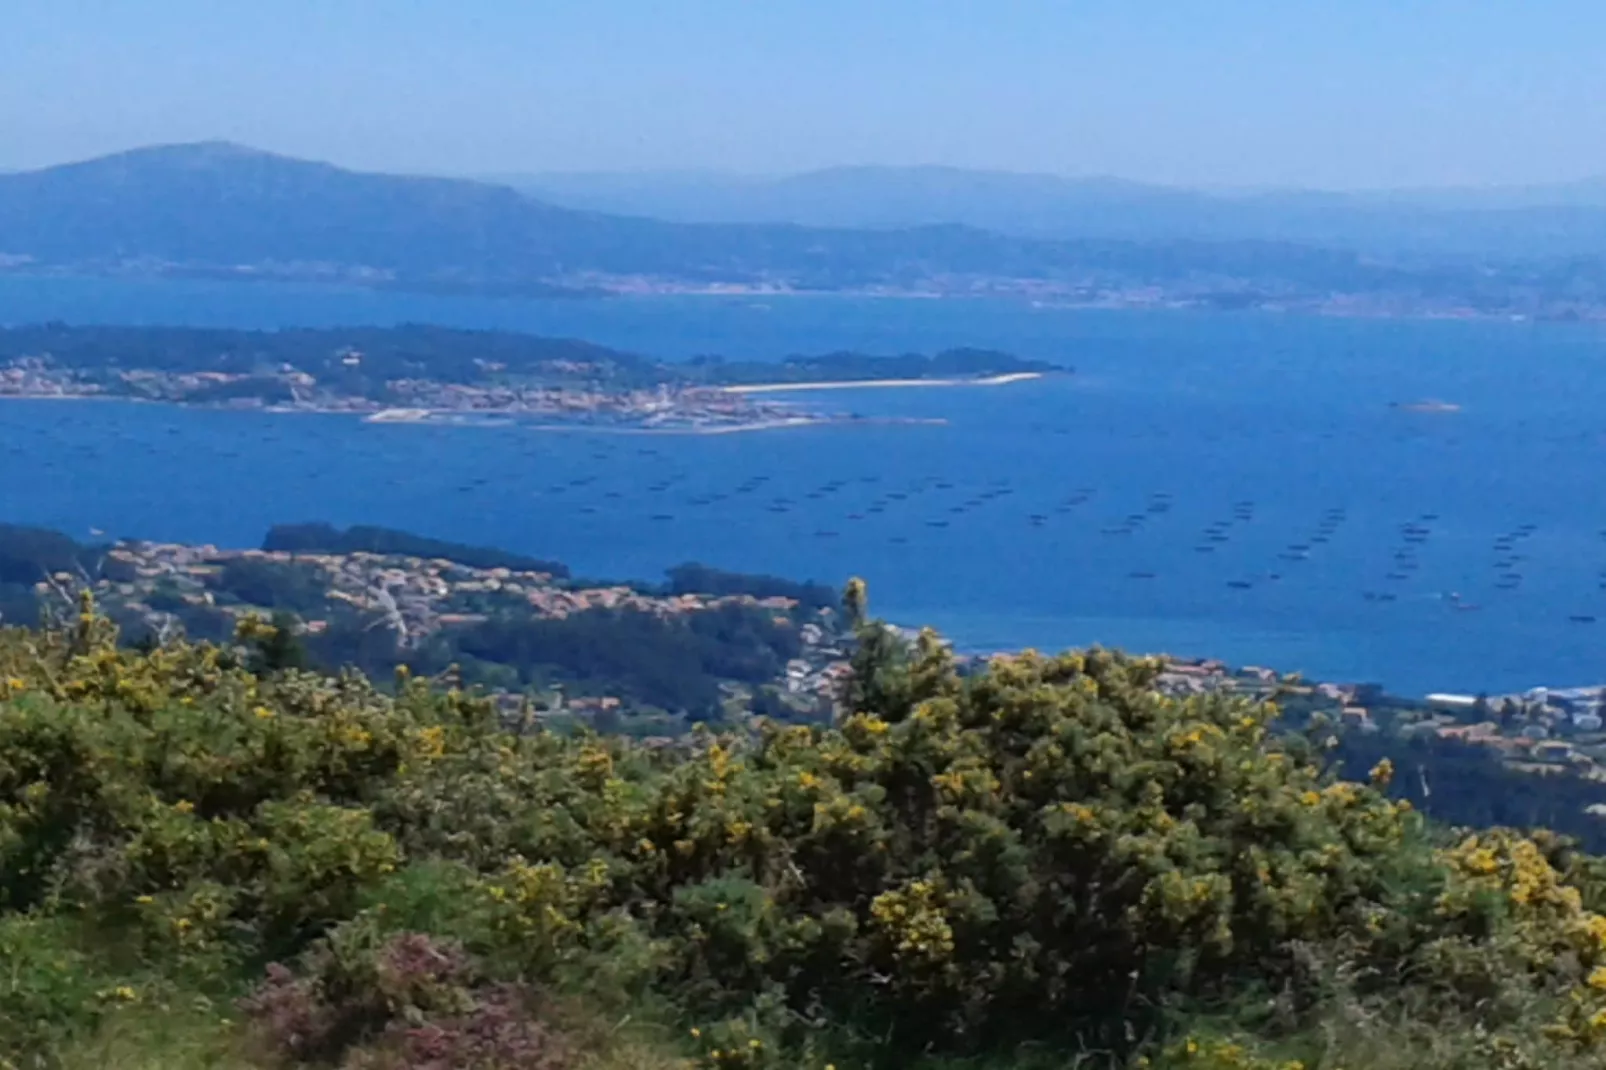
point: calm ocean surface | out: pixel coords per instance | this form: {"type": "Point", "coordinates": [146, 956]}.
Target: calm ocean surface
{"type": "Point", "coordinates": [1236, 486]}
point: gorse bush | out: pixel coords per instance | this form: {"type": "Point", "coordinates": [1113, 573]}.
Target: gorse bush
{"type": "Point", "coordinates": [1046, 860]}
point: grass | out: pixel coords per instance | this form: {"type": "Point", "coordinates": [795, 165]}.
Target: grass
{"type": "Point", "coordinates": [157, 1037]}
{"type": "Point", "coordinates": [161, 1038]}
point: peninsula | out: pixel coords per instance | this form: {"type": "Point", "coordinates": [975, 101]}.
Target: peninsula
{"type": "Point", "coordinates": [414, 373]}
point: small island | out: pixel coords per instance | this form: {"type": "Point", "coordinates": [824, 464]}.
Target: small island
{"type": "Point", "coordinates": [420, 373]}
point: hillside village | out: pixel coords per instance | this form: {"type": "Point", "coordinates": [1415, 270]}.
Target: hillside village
{"type": "Point", "coordinates": [165, 587]}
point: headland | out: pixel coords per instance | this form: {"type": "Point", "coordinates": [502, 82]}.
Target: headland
{"type": "Point", "coordinates": [416, 374]}
{"type": "Point", "coordinates": [880, 384]}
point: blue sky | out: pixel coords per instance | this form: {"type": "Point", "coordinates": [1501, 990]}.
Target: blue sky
{"type": "Point", "coordinates": [1329, 93]}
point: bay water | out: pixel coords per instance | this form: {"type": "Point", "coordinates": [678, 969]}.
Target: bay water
{"type": "Point", "coordinates": [1254, 487]}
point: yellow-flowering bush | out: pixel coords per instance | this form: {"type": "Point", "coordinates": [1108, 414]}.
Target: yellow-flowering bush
{"type": "Point", "coordinates": [1049, 851]}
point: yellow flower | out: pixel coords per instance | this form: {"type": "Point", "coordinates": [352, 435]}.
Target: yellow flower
{"type": "Point", "coordinates": [432, 742]}
{"type": "Point", "coordinates": [184, 806]}
{"type": "Point", "coordinates": [263, 713]}
{"type": "Point", "coordinates": [1596, 926]}
{"type": "Point", "coordinates": [1597, 979]}
{"type": "Point", "coordinates": [695, 1033]}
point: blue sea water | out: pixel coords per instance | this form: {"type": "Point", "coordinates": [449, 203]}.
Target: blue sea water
{"type": "Point", "coordinates": [1217, 484]}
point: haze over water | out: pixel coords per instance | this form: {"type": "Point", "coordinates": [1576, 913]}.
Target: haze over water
{"type": "Point", "coordinates": [1211, 484]}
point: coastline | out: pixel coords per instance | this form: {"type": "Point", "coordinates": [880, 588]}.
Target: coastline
{"type": "Point", "coordinates": [477, 417]}
{"type": "Point", "coordinates": [738, 429]}
{"type": "Point", "coordinates": [1030, 298]}
{"type": "Point", "coordinates": [492, 418]}
{"type": "Point", "coordinates": [446, 416]}
{"type": "Point", "coordinates": [878, 384]}
{"type": "Point", "coordinates": [712, 429]}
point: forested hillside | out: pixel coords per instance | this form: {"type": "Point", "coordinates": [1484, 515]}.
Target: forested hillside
{"type": "Point", "coordinates": [206, 860]}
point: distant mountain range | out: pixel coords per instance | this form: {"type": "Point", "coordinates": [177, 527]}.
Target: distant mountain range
{"type": "Point", "coordinates": [221, 210]}
{"type": "Point", "coordinates": [1532, 221]}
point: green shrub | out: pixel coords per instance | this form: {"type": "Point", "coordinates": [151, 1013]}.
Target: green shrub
{"type": "Point", "coordinates": [1047, 859]}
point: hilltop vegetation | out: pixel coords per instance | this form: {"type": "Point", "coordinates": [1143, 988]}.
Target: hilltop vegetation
{"type": "Point", "coordinates": [1044, 863]}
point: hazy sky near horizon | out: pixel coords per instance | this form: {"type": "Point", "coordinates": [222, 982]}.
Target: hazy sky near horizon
{"type": "Point", "coordinates": [1357, 93]}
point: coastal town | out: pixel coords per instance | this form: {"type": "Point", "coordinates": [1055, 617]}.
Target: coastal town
{"type": "Point", "coordinates": [663, 408]}
{"type": "Point", "coordinates": [413, 400]}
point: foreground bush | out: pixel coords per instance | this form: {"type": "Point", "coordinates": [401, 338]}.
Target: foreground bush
{"type": "Point", "coordinates": [1047, 861]}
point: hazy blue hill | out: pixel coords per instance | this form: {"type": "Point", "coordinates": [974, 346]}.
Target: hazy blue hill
{"type": "Point", "coordinates": [222, 210]}
{"type": "Point", "coordinates": [1560, 219]}
{"type": "Point", "coordinates": [215, 205]}
{"type": "Point", "coordinates": [877, 197]}
{"type": "Point", "coordinates": [1582, 193]}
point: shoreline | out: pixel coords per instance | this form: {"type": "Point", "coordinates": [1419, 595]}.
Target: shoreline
{"type": "Point", "coordinates": [408, 417]}
{"type": "Point", "coordinates": [877, 384]}
{"type": "Point", "coordinates": [716, 429]}
{"type": "Point", "coordinates": [738, 429]}
{"type": "Point", "coordinates": [1030, 299]}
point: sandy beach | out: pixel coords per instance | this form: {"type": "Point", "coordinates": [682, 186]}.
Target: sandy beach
{"type": "Point", "coordinates": [705, 429]}
{"type": "Point", "coordinates": [862, 384]}
{"type": "Point", "coordinates": [398, 416]}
